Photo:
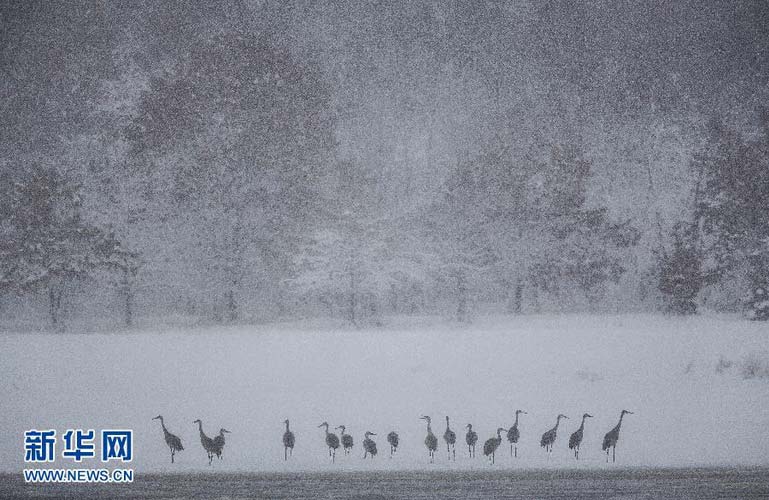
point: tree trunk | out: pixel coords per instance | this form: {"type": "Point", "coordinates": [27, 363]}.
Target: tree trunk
{"type": "Point", "coordinates": [461, 296]}
{"type": "Point", "coordinates": [515, 297]}
{"type": "Point", "coordinates": [54, 299]}
{"type": "Point", "coordinates": [353, 299]}
{"type": "Point", "coordinates": [231, 305]}
{"type": "Point", "coordinates": [128, 299]}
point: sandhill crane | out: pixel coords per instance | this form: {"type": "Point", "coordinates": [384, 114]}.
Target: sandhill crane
{"type": "Point", "coordinates": [430, 440]}
{"type": "Point", "coordinates": [331, 441]}
{"type": "Point", "coordinates": [369, 446]}
{"type": "Point", "coordinates": [219, 442]}
{"type": "Point", "coordinates": [471, 438]}
{"type": "Point", "coordinates": [207, 442]}
{"type": "Point", "coordinates": [347, 441]}
{"type": "Point", "coordinates": [451, 440]}
{"type": "Point", "coordinates": [576, 438]}
{"type": "Point", "coordinates": [513, 435]}
{"type": "Point", "coordinates": [173, 442]}
{"type": "Point", "coordinates": [548, 438]}
{"type": "Point", "coordinates": [491, 444]}
{"type": "Point", "coordinates": [392, 438]}
{"type": "Point", "coordinates": [611, 438]}
{"type": "Point", "coordinates": [288, 441]}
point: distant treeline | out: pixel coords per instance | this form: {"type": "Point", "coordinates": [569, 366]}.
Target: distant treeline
{"type": "Point", "coordinates": [202, 176]}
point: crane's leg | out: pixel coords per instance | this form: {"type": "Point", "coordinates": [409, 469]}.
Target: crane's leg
{"type": "Point", "coordinates": [607, 455]}
{"type": "Point", "coordinates": [285, 453]}
{"type": "Point", "coordinates": [291, 452]}
{"type": "Point", "coordinates": [511, 449]}
{"type": "Point", "coordinates": [613, 454]}
{"type": "Point", "coordinates": [172, 456]}
{"type": "Point", "coordinates": [516, 451]}
{"type": "Point", "coordinates": [454, 451]}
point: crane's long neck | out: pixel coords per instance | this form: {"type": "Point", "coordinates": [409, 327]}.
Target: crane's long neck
{"type": "Point", "coordinates": [286, 426]}
{"type": "Point", "coordinates": [200, 429]}
{"type": "Point", "coordinates": [582, 425]}
{"type": "Point", "coordinates": [619, 424]}
{"type": "Point", "coordinates": [429, 429]}
{"type": "Point", "coordinates": [516, 419]}
{"type": "Point", "coordinates": [447, 423]}
{"type": "Point", "coordinates": [557, 423]}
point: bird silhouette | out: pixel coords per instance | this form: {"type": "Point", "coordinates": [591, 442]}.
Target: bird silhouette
{"type": "Point", "coordinates": [173, 441]}
{"type": "Point", "coordinates": [576, 437]}
{"type": "Point", "coordinates": [288, 441]}
{"type": "Point", "coordinates": [331, 441]}
{"type": "Point", "coordinates": [347, 441]}
{"type": "Point", "coordinates": [548, 438]}
{"type": "Point", "coordinates": [513, 435]}
{"type": "Point", "coordinates": [392, 438]}
{"type": "Point", "coordinates": [369, 446]}
{"type": "Point", "coordinates": [207, 442]}
{"type": "Point", "coordinates": [219, 442]}
{"type": "Point", "coordinates": [471, 438]}
{"type": "Point", "coordinates": [451, 440]}
{"type": "Point", "coordinates": [431, 442]}
{"type": "Point", "coordinates": [491, 444]}
{"type": "Point", "coordinates": [611, 438]}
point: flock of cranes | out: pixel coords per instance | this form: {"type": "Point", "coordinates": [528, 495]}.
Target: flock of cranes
{"type": "Point", "coordinates": [215, 446]}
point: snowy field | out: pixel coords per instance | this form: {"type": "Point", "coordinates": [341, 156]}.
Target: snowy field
{"type": "Point", "coordinates": [699, 388]}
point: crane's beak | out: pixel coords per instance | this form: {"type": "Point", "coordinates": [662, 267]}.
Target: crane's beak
{"type": "Point", "coordinates": [225, 430]}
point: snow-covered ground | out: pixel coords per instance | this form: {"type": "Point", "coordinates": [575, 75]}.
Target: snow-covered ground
{"type": "Point", "coordinates": [249, 379]}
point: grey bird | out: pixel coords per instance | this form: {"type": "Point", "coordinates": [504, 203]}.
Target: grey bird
{"type": "Point", "coordinates": [471, 438]}
{"type": "Point", "coordinates": [451, 440]}
{"type": "Point", "coordinates": [491, 444]}
{"type": "Point", "coordinates": [393, 439]}
{"type": "Point", "coordinates": [611, 438]}
{"type": "Point", "coordinates": [369, 446]}
{"type": "Point", "coordinates": [513, 435]}
{"type": "Point", "coordinates": [431, 442]}
{"type": "Point", "coordinates": [207, 442]}
{"type": "Point", "coordinates": [548, 438]}
{"type": "Point", "coordinates": [288, 441]}
{"type": "Point", "coordinates": [576, 437]}
{"type": "Point", "coordinates": [347, 441]}
{"type": "Point", "coordinates": [173, 441]}
{"type": "Point", "coordinates": [219, 443]}
{"type": "Point", "coordinates": [332, 441]}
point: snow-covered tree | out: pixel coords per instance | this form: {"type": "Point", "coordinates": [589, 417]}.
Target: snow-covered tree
{"type": "Point", "coordinates": [733, 203]}
{"type": "Point", "coordinates": [47, 243]}
{"type": "Point", "coordinates": [679, 270]}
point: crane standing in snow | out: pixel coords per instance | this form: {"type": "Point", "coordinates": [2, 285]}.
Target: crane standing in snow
{"type": "Point", "coordinates": [491, 444]}
{"type": "Point", "coordinates": [173, 441]}
{"type": "Point", "coordinates": [611, 438]}
{"type": "Point", "coordinates": [219, 443]}
{"type": "Point", "coordinates": [431, 442]}
{"type": "Point", "coordinates": [548, 438]}
{"type": "Point", "coordinates": [332, 441]}
{"type": "Point", "coordinates": [392, 438]}
{"type": "Point", "coordinates": [471, 438]}
{"type": "Point", "coordinates": [576, 438]}
{"type": "Point", "coordinates": [513, 435]}
{"type": "Point", "coordinates": [207, 442]}
{"type": "Point", "coordinates": [347, 441]}
{"type": "Point", "coordinates": [288, 441]}
{"type": "Point", "coordinates": [369, 446]}
{"type": "Point", "coordinates": [451, 440]}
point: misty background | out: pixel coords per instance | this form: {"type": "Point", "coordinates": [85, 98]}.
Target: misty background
{"type": "Point", "coordinates": [252, 162]}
